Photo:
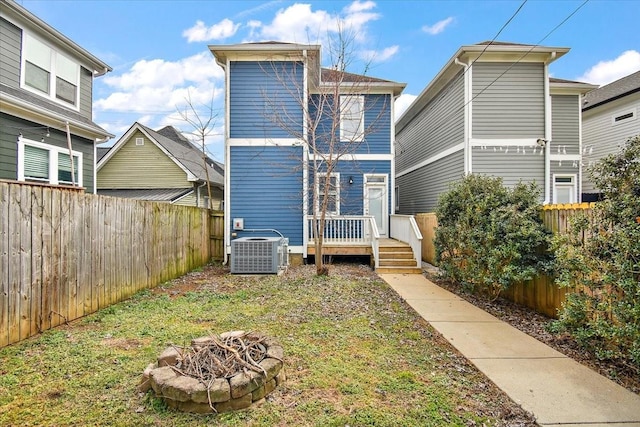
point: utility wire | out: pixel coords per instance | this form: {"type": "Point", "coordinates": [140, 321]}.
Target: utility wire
{"type": "Point", "coordinates": [451, 115]}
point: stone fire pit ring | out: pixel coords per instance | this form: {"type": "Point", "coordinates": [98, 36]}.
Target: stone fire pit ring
{"type": "Point", "coordinates": [240, 391]}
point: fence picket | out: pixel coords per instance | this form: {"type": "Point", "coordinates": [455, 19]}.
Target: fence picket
{"type": "Point", "coordinates": [66, 254]}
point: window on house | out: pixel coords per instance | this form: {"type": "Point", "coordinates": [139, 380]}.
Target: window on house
{"type": "Point", "coordinates": [397, 197]}
{"type": "Point", "coordinates": [352, 118]}
{"type": "Point", "coordinates": [564, 189]}
{"type": "Point", "coordinates": [329, 190]}
{"type": "Point", "coordinates": [45, 163]}
{"type": "Point", "coordinates": [139, 141]}
{"type": "Point", "coordinates": [49, 73]}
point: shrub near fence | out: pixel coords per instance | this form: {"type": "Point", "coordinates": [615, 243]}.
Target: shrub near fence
{"type": "Point", "coordinates": [65, 254]}
{"type": "Point", "coordinates": [541, 293]}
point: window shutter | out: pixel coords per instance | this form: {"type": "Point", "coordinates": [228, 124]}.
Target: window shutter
{"type": "Point", "coordinates": [36, 163]}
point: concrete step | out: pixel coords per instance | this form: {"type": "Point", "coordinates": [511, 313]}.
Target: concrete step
{"type": "Point", "coordinates": [398, 270]}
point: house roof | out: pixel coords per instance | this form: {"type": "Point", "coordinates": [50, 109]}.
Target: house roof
{"type": "Point", "coordinates": [186, 155]}
{"type": "Point", "coordinates": [25, 104]}
{"type": "Point", "coordinates": [100, 152]}
{"type": "Point", "coordinates": [467, 55]}
{"type": "Point", "coordinates": [295, 50]}
{"type": "Point", "coordinates": [622, 87]}
{"type": "Point", "coordinates": [151, 194]}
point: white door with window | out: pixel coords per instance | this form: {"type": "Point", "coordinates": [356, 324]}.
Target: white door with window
{"type": "Point", "coordinates": [376, 201]}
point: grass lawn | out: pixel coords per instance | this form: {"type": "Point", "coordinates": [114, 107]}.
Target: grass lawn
{"type": "Point", "coordinates": [355, 354]}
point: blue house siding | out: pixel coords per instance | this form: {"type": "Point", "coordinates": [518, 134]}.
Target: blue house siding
{"type": "Point", "coordinates": [266, 190]}
{"type": "Point", "coordinates": [351, 195]}
{"type": "Point", "coordinates": [377, 125]}
{"type": "Point", "coordinates": [261, 105]}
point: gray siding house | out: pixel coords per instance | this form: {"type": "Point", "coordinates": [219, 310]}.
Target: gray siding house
{"type": "Point", "coordinates": [493, 110]}
{"type": "Point", "coordinates": [46, 103]}
{"type": "Point", "coordinates": [609, 119]}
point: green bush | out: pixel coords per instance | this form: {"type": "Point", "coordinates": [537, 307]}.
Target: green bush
{"type": "Point", "coordinates": [489, 236]}
{"type": "Point", "coordinates": [600, 258]}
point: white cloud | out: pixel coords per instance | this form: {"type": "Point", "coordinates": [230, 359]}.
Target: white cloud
{"type": "Point", "coordinates": [220, 31]}
{"type": "Point", "coordinates": [379, 55]}
{"type": "Point", "coordinates": [299, 23]}
{"type": "Point", "coordinates": [438, 27]}
{"type": "Point", "coordinates": [605, 72]}
{"type": "Point", "coordinates": [402, 103]}
{"type": "Point", "coordinates": [158, 85]}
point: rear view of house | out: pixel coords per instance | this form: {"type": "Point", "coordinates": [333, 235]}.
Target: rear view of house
{"type": "Point", "coordinates": [297, 134]}
{"type": "Point", "coordinates": [491, 110]}
{"type": "Point", "coordinates": [46, 130]}
{"type": "Point", "coordinates": [610, 118]}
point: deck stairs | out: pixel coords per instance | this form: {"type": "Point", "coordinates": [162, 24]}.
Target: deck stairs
{"type": "Point", "coordinates": [396, 257]}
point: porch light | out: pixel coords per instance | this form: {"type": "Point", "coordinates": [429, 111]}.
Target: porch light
{"type": "Point", "coordinates": [350, 180]}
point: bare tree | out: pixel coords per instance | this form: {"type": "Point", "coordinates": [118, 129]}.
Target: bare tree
{"type": "Point", "coordinates": [332, 127]}
{"type": "Point", "coordinates": [202, 125]}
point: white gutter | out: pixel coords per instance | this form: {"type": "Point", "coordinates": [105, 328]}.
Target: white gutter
{"type": "Point", "coordinates": [305, 155]}
{"type": "Point", "coordinates": [90, 132]}
{"type": "Point", "coordinates": [547, 130]}
{"type": "Point", "coordinates": [467, 116]}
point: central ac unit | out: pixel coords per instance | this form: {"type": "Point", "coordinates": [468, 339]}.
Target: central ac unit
{"type": "Point", "coordinates": [258, 255]}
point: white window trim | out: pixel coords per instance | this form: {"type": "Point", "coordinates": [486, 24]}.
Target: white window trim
{"type": "Point", "coordinates": [622, 113]}
{"type": "Point", "coordinates": [139, 141]}
{"type": "Point", "coordinates": [573, 185]}
{"type": "Point", "coordinates": [359, 137]}
{"type": "Point", "coordinates": [53, 161]}
{"type": "Point", "coordinates": [52, 75]}
{"type": "Point", "coordinates": [322, 175]}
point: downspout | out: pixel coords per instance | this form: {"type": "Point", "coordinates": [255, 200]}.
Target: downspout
{"type": "Point", "coordinates": [227, 161]}
{"type": "Point", "coordinates": [95, 162]}
{"type": "Point", "coordinates": [198, 187]}
{"type": "Point", "coordinates": [305, 155]}
{"type": "Point", "coordinates": [467, 116]}
{"type": "Point", "coordinates": [547, 130]}
{"type": "Point", "coordinates": [73, 174]}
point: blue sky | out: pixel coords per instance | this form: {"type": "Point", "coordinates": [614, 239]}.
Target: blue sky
{"type": "Point", "coordinates": [158, 49]}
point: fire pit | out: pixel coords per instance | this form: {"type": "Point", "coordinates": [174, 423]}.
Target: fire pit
{"type": "Point", "coordinates": [217, 373]}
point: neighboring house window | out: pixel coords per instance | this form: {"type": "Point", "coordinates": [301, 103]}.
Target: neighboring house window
{"type": "Point", "coordinates": [352, 118]}
{"type": "Point", "coordinates": [564, 189]}
{"type": "Point", "coordinates": [139, 141]}
{"type": "Point", "coordinates": [49, 73]}
{"type": "Point", "coordinates": [624, 117]}
{"type": "Point", "coordinates": [45, 163]}
{"type": "Point", "coordinates": [331, 192]}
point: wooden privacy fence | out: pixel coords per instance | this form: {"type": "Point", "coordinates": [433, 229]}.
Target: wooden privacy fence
{"type": "Point", "coordinates": [216, 228]}
{"type": "Point", "coordinates": [65, 254]}
{"type": "Point", "coordinates": [427, 223]}
{"type": "Point", "coordinates": [541, 293]}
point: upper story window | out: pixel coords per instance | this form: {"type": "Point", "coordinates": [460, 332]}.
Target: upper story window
{"type": "Point", "coordinates": [49, 73]}
{"type": "Point", "coordinates": [352, 118]}
{"type": "Point", "coordinates": [41, 162]}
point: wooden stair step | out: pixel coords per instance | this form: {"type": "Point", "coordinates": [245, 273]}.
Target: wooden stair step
{"type": "Point", "coordinates": [397, 262]}
{"type": "Point", "coordinates": [396, 255]}
{"type": "Point", "coordinates": [399, 270]}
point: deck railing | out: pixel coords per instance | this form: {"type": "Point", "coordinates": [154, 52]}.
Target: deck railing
{"type": "Point", "coordinates": [343, 230]}
{"type": "Point", "coordinates": [405, 228]}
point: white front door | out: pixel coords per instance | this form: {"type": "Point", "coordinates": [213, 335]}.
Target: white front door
{"type": "Point", "coordinates": [376, 200]}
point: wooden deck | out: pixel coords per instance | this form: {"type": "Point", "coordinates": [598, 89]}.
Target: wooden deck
{"type": "Point", "coordinates": [352, 248]}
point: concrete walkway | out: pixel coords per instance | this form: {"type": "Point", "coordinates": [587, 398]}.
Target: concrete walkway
{"type": "Point", "coordinates": [557, 390]}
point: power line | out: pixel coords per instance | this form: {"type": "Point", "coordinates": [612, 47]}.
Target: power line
{"type": "Point", "coordinates": [451, 115]}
